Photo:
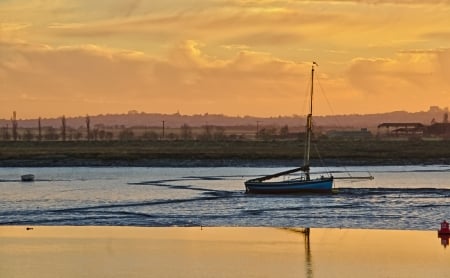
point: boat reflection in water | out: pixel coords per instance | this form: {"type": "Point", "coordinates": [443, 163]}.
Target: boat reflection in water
{"type": "Point", "coordinates": [308, 257]}
{"type": "Point", "coordinates": [305, 232]}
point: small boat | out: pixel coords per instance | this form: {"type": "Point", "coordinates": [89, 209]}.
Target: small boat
{"type": "Point", "coordinates": [27, 177]}
{"type": "Point", "coordinates": [304, 183]}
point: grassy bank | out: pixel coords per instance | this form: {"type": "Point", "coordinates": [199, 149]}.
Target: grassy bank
{"type": "Point", "coordinates": [146, 153]}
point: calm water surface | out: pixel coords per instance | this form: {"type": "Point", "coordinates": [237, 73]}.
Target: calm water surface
{"type": "Point", "coordinates": [400, 197]}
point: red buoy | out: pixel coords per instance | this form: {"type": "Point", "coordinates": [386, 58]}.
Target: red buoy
{"type": "Point", "coordinates": [444, 234]}
{"type": "Point", "coordinates": [445, 230]}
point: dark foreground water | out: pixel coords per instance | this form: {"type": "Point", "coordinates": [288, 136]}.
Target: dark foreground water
{"type": "Point", "coordinates": [400, 197]}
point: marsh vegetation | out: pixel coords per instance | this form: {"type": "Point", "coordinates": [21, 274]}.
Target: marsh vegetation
{"type": "Point", "coordinates": [150, 152]}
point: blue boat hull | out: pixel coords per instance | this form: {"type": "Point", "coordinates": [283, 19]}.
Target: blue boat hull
{"type": "Point", "coordinates": [320, 185]}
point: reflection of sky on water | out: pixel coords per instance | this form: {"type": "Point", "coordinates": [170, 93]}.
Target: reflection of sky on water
{"type": "Point", "coordinates": [220, 252]}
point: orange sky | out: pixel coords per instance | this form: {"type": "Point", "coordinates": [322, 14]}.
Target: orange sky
{"type": "Point", "coordinates": [234, 57]}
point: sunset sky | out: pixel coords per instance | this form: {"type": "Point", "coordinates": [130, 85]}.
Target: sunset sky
{"type": "Point", "coordinates": [233, 57]}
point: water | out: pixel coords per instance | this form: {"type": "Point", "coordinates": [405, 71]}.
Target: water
{"type": "Point", "coordinates": [400, 197]}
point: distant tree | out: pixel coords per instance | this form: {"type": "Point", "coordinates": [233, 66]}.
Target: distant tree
{"type": "Point", "coordinates": [126, 135]}
{"type": "Point", "coordinates": [207, 133]}
{"type": "Point", "coordinates": [109, 135]}
{"type": "Point", "coordinates": [267, 133]}
{"type": "Point", "coordinates": [39, 129]}
{"type": "Point", "coordinates": [88, 128]}
{"type": "Point", "coordinates": [257, 134]}
{"type": "Point", "coordinates": [28, 135]}
{"type": "Point", "coordinates": [70, 133]}
{"type": "Point", "coordinates": [101, 134]}
{"type": "Point", "coordinates": [150, 136]}
{"type": "Point", "coordinates": [284, 131]}
{"type": "Point", "coordinates": [233, 137]}
{"type": "Point", "coordinates": [186, 132]}
{"type": "Point", "coordinates": [95, 134]}
{"type": "Point", "coordinates": [5, 133]}
{"type": "Point", "coordinates": [77, 135]}
{"type": "Point", "coordinates": [63, 128]}
{"type": "Point", "coordinates": [172, 136]}
{"type": "Point", "coordinates": [219, 133]}
{"type": "Point", "coordinates": [15, 126]}
{"type": "Point", "coordinates": [50, 134]}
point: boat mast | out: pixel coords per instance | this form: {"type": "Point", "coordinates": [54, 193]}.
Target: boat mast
{"type": "Point", "coordinates": [309, 127]}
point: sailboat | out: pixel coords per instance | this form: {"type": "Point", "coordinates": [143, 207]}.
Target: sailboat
{"type": "Point", "coordinates": [304, 183]}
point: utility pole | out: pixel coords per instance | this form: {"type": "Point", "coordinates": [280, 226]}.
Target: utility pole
{"type": "Point", "coordinates": [88, 127]}
{"type": "Point", "coordinates": [39, 129]}
{"type": "Point", "coordinates": [257, 129]}
{"type": "Point", "coordinates": [63, 128]}
{"type": "Point", "coordinates": [14, 126]}
{"type": "Point", "coordinates": [163, 129]}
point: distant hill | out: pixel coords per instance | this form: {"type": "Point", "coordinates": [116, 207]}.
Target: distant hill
{"type": "Point", "coordinates": [133, 119]}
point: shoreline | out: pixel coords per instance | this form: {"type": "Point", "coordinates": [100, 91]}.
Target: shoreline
{"type": "Point", "coordinates": [112, 251]}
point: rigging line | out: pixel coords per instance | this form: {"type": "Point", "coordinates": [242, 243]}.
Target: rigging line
{"type": "Point", "coordinates": [337, 158]}
{"type": "Point", "coordinates": [321, 160]}
{"type": "Point", "coordinates": [322, 90]}
{"type": "Point", "coordinates": [348, 172]}
{"type": "Point", "coordinates": [328, 102]}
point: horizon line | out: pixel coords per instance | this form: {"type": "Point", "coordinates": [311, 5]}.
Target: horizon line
{"type": "Point", "coordinates": [431, 109]}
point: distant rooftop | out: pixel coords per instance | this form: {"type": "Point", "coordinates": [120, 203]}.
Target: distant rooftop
{"type": "Point", "coordinates": [395, 125]}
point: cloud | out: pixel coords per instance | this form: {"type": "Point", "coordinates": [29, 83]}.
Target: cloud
{"type": "Point", "coordinates": [6, 26]}
{"type": "Point", "coordinates": [79, 78]}
{"type": "Point", "coordinates": [130, 7]}
{"type": "Point", "coordinates": [192, 72]}
{"type": "Point", "coordinates": [397, 2]}
{"type": "Point", "coordinates": [413, 70]}
{"type": "Point", "coordinates": [275, 24]}
{"type": "Point", "coordinates": [236, 46]}
{"type": "Point", "coordinates": [414, 78]}
{"type": "Point", "coordinates": [213, 54]}
{"type": "Point", "coordinates": [93, 79]}
{"type": "Point", "coordinates": [119, 26]}
{"type": "Point", "coordinates": [256, 3]}
{"type": "Point", "coordinates": [229, 26]}
{"type": "Point", "coordinates": [268, 38]}
{"type": "Point", "coordinates": [437, 35]}
{"type": "Point", "coordinates": [70, 75]}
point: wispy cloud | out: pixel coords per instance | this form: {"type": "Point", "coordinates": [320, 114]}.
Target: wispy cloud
{"type": "Point", "coordinates": [409, 77]}
{"type": "Point", "coordinates": [445, 35]}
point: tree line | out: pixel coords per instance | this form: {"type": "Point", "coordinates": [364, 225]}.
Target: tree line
{"type": "Point", "coordinates": [99, 132]}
